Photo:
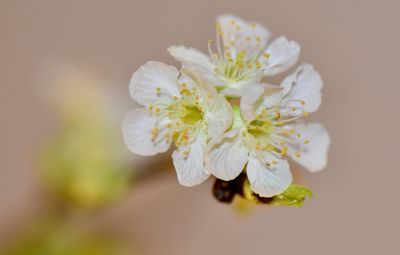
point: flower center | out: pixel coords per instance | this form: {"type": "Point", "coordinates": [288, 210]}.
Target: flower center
{"type": "Point", "coordinates": [260, 130]}
{"type": "Point", "coordinates": [184, 115]}
{"type": "Point", "coordinates": [236, 65]}
{"type": "Point", "coordinates": [189, 114]}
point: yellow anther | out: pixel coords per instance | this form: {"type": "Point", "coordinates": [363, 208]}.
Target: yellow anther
{"type": "Point", "coordinates": [253, 25]}
{"type": "Point", "coordinates": [278, 114]}
{"type": "Point", "coordinates": [285, 133]}
{"type": "Point", "coordinates": [298, 135]}
{"type": "Point", "coordinates": [297, 154]}
{"type": "Point", "coordinates": [306, 141]}
{"type": "Point", "coordinates": [266, 55]}
{"type": "Point", "coordinates": [258, 65]}
{"type": "Point", "coordinates": [281, 142]}
{"type": "Point", "coordinates": [158, 110]}
{"type": "Point", "coordinates": [306, 114]}
{"type": "Point", "coordinates": [270, 147]}
{"type": "Point", "coordinates": [293, 109]}
{"type": "Point", "coordinates": [154, 133]}
{"type": "Point", "coordinates": [274, 162]}
{"type": "Point", "coordinates": [258, 38]}
{"type": "Point", "coordinates": [302, 102]}
{"type": "Point", "coordinates": [232, 22]}
{"type": "Point", "coordinates": [284, 150]}
{"type": "Point", "coordinates": [175, 97]}
{"type": "Point", "coordinates": [237, 27]}
{"type": "Point", "coordinates": [292, 131]}
{"type": "Point", "coordinates": [151, 107]}
{"type": "Point", "coordinates": [183, 85]}
{"type": "Point", "coordinates": [158, 90]}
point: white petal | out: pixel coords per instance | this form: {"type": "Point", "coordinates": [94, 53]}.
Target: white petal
{"type": "Point", "coordinates": [249, 36]}
{"type": "Point", "coordinates": [304, 84]}
{"type": "Point", "coordinates": [314, 155]}
{"type": "Point", "coordinates": [188, 56]}
{"type": "Point", "coordinates": [283, 54]}
{"type": "Point", "coordinates": [190, 168]}
{"type": "Point", "coordinates": [193, 79]}
{"type": "Point", "coordinates": [218, 116]}
{"type": "Point", "coordinates": [237, 89]}
{"type": "Point", "coordinates": [249, 102]}
{"type": "Point", "coordinates": [204, 75]}
{"type": "Point", "coordinates": [136, 129]}
{"type": "Point", "coordinates": [228, 156]}
{"type": "Point", "coordinates": [258, 97]}
{"type": "Point", "coordinates": [149, 77]}
{"type": "Point", "coordinates": [268, 181]}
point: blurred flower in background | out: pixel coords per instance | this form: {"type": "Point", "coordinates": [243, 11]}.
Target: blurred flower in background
{"type": "Point", "coordinates": [83, 164]}
{"type": "Point", "coordinates": [83, 161]}
{"type": "Point", "coordinates": [55, 237]}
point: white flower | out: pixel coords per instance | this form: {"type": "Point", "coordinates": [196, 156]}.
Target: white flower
{"type": "Point", "coordinates": [242, 57]}
{"type": "Point", "coordinates": [263, 134]}
{"type": "Point", "coordinates": [177, 109]}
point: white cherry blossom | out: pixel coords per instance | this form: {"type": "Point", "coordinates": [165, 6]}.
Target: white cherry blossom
{"type": "Point", "coordinates": [264, 133]}
{"type": "Point", "coordinates": [177, 109]}
{"type": "Point", "coordinates": [241, 58]}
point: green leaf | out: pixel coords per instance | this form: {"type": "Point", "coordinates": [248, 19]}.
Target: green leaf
{"type": "Point", "coordinates": [295, 195]}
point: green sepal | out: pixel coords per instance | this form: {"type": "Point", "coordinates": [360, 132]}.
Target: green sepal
{"type": "Point", "coordinates": [295, 195]}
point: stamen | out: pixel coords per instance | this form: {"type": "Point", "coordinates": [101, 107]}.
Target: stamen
{"type": "Point", "coordinates": [278, 114]}
{"type": "Point", "coordinates": [284, 150]}
{"type": "Point", "coordinates": [154, 133]}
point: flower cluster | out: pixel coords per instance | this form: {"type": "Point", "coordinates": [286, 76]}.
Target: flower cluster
{"type": "Point", "coordinates": [221, 115]}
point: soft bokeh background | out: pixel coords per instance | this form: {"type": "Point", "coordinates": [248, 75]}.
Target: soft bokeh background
{"type": "Point", "coordinates": [354, 44]}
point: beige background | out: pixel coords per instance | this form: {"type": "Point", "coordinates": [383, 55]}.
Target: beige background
{"type": "Point", "coordinates": [354, 44]}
